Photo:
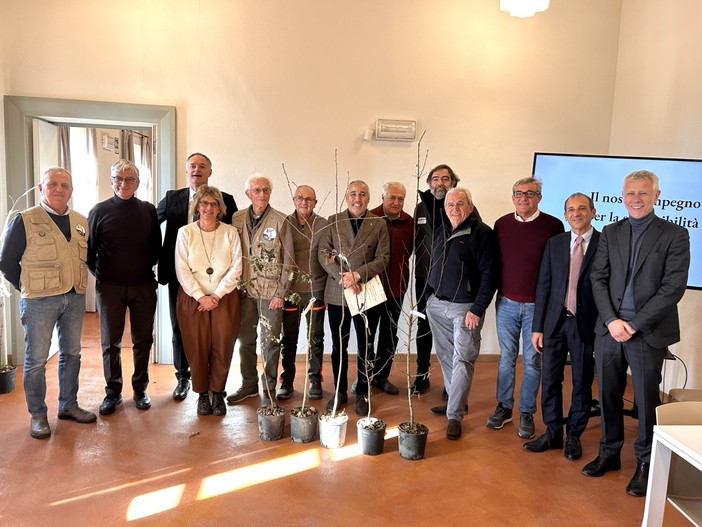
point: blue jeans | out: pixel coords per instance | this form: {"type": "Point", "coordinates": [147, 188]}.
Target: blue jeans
{"type": "Point", "coordinates": [39, 316]}
{"type": "Point", "coordinates": [512, 318]}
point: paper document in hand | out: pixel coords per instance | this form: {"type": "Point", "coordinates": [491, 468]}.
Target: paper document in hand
{"type": "Point", "coordinates": [372, 294]}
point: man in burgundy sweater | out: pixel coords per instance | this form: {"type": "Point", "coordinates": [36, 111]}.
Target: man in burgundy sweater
{"type": "Point", "coordinates": [521, 235]}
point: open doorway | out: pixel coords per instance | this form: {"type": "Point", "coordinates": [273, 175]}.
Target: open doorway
{"type": "Point", "coordinates": [21, 113]}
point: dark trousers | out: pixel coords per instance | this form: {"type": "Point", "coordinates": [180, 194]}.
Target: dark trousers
{"type": "Point", "coordinates": [340, 327]}
{"type": "Point", "coordinates": [424, 338]}
{"type": "Point", "coordinates": [387, 336]}
{"type": "Point", "coordinates": [582, 368]}
{"type": "Point", "coordinates": [180, 360]}
{"type": "Point", "coordinates": [611, 360]}
{"type": "Point", "coordinates": [291, 332]}
{"type": "Point", "coordinates": [112, 304]}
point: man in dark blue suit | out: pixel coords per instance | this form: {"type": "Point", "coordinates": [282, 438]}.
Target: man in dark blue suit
{"type": "Point", "coordinates": [564, 321]}
{"type": "Point", "coordinates": [175, 210]}
{"type": "Point", "coordinates": [638, 277]}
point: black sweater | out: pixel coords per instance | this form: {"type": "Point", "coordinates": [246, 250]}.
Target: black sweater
{"type": "Point", "coordinates": [124, 241]}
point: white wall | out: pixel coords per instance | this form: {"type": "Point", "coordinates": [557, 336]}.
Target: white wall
{"type": "Point", "coordinates": [658, 112]}
{"type": "Point", "coordinates": [257, 84]}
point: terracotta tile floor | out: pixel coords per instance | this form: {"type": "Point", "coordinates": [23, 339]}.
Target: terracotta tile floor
{"type": "Point", "coordinates": [166, 466]}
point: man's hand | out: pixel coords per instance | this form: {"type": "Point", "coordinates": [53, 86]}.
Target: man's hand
{"type": "Point", "coordinates": [472, 320]}
{"type": "Point", "coordinates": [620, 330]}
{"type": "Point", "coordinates": [350, 280]}
{"type": "Point", "coordinates": [537, 340]}
{"type": "Point", "coordinates": [276, 303]}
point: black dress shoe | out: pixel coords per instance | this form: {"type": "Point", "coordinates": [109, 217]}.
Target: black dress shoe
{"type": "Point", "coordinates": [441, 409]}
{"type": "Point", "coordinates": [453, 430]}
{"type": "Point", "coordinates": [109, 404]}
{"type": "Point", "coordinates": [543, 443]}
{"type": "Point", "coordinates": [420, 386]}
{"type": "Point", "coordinates": [638, 483]}
{"type": "Point", "coordinates": [39, 427]}
{"type": "Point", "coordinates": [386, 386]}
{"type": "Point", "coordinates": [573, 448]}
{"type": "Point", "coordinates": [181, 390]}
{"type": "Point", "coordinates": [601, 465]}
{"type": "Point", "coordinates": [343, 399]}
{"type": "Point", "coordinates": [142, 400]}
{"type": "Point", "coordinates": [362, 405]}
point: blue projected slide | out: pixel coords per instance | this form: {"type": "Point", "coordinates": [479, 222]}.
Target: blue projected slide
{"type": "Point", "coordinates": [601, 178]}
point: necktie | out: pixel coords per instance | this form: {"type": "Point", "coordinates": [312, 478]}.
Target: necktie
{"type": "Point", "coordinates": [576, 262]}
{"type": "Point", "coordinates": [191, 211]}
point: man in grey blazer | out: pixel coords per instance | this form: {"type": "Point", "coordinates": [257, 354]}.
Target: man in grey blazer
{"type": "Point", "coordinates": [354, 249]}
{"type": "Point", "coordinates": [638, 277]}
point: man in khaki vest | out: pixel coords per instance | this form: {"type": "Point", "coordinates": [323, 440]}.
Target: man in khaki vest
{"type": "Point", "coordinates": [44, 257]}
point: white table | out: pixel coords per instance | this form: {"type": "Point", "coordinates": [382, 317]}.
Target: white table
{"type": "Point", "coordinates": [684, 441]}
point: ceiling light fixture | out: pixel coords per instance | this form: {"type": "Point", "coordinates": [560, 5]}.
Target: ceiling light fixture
{"type": "Point", "coordinates": [523, 8]}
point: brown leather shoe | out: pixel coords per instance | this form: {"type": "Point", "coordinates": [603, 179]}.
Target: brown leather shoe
{"type": "Point", "coordinates": [39, 427]}
{"type": "Point", "coordinates": [78, 414]}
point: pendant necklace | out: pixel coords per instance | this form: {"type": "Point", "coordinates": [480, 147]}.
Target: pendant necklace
{"type": "Point", "coordinates": [210, 256]}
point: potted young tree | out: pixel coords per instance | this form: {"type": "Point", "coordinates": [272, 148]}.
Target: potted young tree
{"type": "Point", "coordinates": [271, 416]}
{"type": "Point", "coordinates": [371, 430]}
{"type": "Point", "coordinates": [333, 423]}
{"type": "Point", "coordinates": [412, 436]}
{"type": "Point", "coordinates": [303, 418]}
{"type": "Point", "coordinates": [7, 370]}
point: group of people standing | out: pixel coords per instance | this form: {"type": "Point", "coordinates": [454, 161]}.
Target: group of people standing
{"type": "Point", "coordinates": [607, 300]}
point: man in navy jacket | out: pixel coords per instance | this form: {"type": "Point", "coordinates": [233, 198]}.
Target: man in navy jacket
{"type": "Point", "coordinates": [462, 282]}
{"type": "Point", "coordinates": [558, 329]}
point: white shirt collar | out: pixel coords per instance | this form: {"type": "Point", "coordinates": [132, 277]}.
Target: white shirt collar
{"type": "Point", "coordinates": [586, 236]}
{"type": "Point", "coordinates": [530, 218]}
{"type": "Point", "coordinates": [52, 211]}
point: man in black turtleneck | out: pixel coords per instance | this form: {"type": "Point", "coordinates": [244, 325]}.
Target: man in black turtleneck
{"type": "Point", "coordinates": [123, 247]}
{"type": "Point", "coordinates": [638, 277]}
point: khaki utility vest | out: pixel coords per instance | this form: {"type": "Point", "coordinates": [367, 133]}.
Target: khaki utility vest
{"type": "Point", "coordinates": [51, 265]}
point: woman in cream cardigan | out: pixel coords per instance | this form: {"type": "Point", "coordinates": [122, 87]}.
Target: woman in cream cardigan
{"type": "Point", "coordinates": [208, 267]}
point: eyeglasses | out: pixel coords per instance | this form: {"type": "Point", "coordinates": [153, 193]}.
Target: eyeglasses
{"type": "Point", "coordinates": [528, 194]}
{"type": "Point", "coordinates": [300, 199]}
{"type": "Point", "coordinates": [123, 180]}
{"type": "Point", "coordinates": [206, 204]}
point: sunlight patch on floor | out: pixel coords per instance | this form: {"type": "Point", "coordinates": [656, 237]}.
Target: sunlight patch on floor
{"type": "Point", "coordinates": [155, 502]}
{"type": "Point", "coordinates": [244, 477]}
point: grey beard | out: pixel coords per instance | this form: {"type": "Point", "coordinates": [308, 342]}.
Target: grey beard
{"type": "Point", "coordinates": [439, 193]}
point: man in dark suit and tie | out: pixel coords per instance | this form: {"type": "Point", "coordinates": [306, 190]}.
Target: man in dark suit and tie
{"type": "Point", "coordinates": [175, 210]}
{"type": "Point", "coordinates": [564, 320]}
{"type": "Point", "coordinates": [638, 277]}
